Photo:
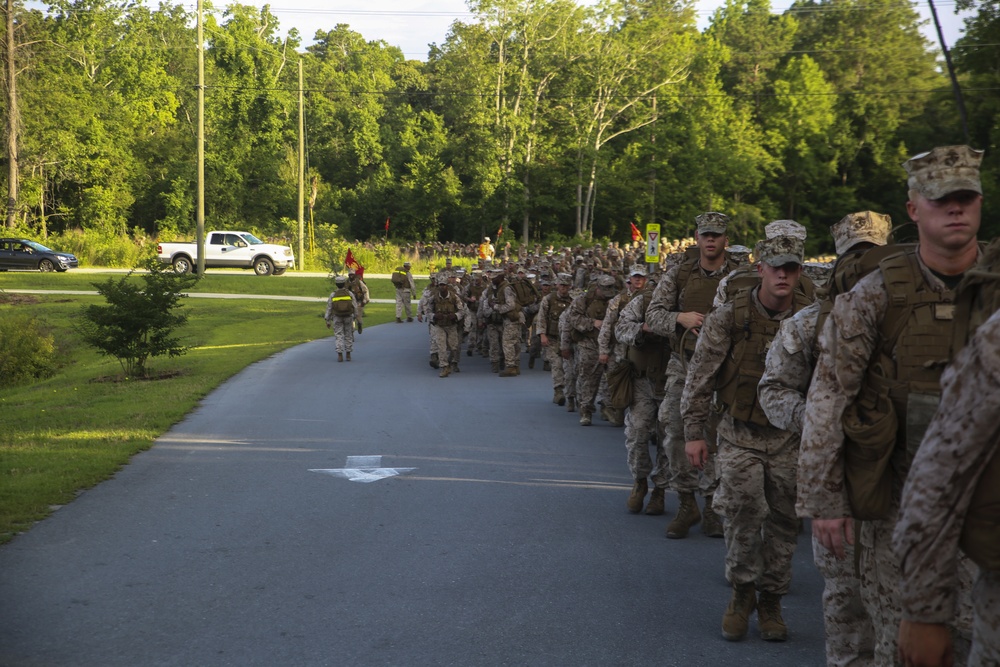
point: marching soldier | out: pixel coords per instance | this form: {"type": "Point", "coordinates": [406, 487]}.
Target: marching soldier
{"type": "Point", "coordinates": [340, 310]}
{"type": "Point", "coordinates": [402, 279]}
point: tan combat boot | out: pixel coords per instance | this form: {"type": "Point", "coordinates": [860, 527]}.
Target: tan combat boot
{"type": "Point", "coordinates": [655, 505]}
{"type": "Point", "coordinates": [494, 366]}
{"type": "Point", "coordinates": [340, 356]}
{"type": "Point", "coordinates": [570, 404]}
{"type": "Point", "coordinates": [687, 516]}
{"type": "Point", "coordinates": [348, 356]}
{"type": "Point", "coordinates": [557, 396]}
{"type": "Point", "coordinates": [508, 372]}
{"type": "Point", "coordinates": [517, 367]}
{"type": "Point", "coordinates": [772, 626]}
{"type": "Point", "coordinates": [445, 371]}
{"type": "Point", "coordinates": [737, 617]}
{"type": "Point", "coordinates": [585, 418]}
{"type": "Point", "coordinates": [711, 524]}
{"type": "Point", "coordinates": [638, 495]}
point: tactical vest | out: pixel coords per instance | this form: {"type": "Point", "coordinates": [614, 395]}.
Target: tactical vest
{"type": "Point", "coordinates": [445, 308]}
{"type": "Point", "coordinates": [341, 300]}
{"type": "Point", "coordinates": [901, 388]}
{"type": "Point", "coordinates": [355, 287]}
{"type": "Point", "coordinates": [557, 305]}
{"type": "Point", "coordinates": [596, 308]}
{"type": "Point", "coordinates": [750, 337]}
{"type": "Point", "coordinates": [650, 359]}
{"type": "Point", "coordinates": [696, 295]}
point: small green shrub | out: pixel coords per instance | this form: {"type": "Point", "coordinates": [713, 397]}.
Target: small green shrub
{"type": "Point", "coordinates": [27, 349]}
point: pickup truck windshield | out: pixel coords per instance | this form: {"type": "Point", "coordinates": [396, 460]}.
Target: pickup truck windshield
{"type": "Point", "coordinates": [251, 239]}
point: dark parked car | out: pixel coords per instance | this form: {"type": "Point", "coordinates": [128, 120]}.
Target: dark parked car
{"type": "Point", "coordinates": [30, 256]}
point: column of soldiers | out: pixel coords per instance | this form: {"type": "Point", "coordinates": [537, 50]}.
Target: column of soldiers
{"type": "Point", "coordinates": [774, 400]}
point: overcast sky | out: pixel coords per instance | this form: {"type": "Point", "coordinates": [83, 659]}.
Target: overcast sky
{"type": "Point", "coordinates": [413, 24]}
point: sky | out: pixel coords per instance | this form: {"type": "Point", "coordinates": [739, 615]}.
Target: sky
{"type": "Point", "coordinates": [413, 24]}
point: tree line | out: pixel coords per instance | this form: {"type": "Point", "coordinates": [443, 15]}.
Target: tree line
{"type": "Point", "coordinates": [543, 118]}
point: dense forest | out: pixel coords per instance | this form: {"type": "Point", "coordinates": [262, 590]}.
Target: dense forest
{"type": "Point", "coordinates": [544, 118]}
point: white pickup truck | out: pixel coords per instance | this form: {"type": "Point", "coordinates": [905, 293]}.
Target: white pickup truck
{"type": "Point", "coordinates": [226, 250]}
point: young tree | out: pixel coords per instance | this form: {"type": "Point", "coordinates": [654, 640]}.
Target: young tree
{"type": "Point", "coordinates": [139, 320]}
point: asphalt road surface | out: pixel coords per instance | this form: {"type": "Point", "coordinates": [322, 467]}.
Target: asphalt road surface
{"type": "Point", "coordinates": [492, 531]}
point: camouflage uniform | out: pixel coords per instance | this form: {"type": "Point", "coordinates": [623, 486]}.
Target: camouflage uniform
{"type": "Point", "coordinates": [568, 360]}
{"type": "Point", "coordinates": [609, 345]}
{"type": "Point", "coordinates": [960, 443]}
{"type": "Point", "coordinates": [850, 637]}
{"type": "Point", "coordinates": [343, 325]}
{"type": "Point", "coordinates": [505, 302]}
{"type": "Point", "coordinates": [552, 351]}
{"type": "Point", "coordinates": [405, 293]}
{"type": "Point", "coordinates": [588, 368]}
{"type": "Point", "coordinates": [756, 464]}
{"type": "Point", "coordinates": [847, 343]}
{"type": "Point", "coordinates": [444, 315]}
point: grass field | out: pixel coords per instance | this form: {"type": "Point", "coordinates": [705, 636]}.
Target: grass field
{"type": "Point", "coordinates": [70, 431]}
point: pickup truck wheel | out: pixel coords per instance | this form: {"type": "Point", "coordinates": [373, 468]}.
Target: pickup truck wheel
{"type": "Point", "coordinates": [278, 272]}
{"type": "Point", "coordinates": [46, 266]}
{"type": "Point", "coordinates": [262, 266]}
{"type": "Point", "coordinates": [182, 265]}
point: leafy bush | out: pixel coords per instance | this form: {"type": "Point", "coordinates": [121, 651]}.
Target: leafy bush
{"type": "Point", "coordinates": [27, 349]}
{"type": "Point", "coordinates": [139, 319]}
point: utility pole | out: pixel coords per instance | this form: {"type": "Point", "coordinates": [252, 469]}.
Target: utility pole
{"type": "Point", "coordinates": [12, 120]}
{"type": "Point", "coordinates": [302, 172]}
{"type": "Point", "coordinates": [200, 213]}
{"type": "Point", "coordinates": [956, 89]}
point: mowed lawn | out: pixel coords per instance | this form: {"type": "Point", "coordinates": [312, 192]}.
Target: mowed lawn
{"type": "Point", "coordinates": [68, 432]}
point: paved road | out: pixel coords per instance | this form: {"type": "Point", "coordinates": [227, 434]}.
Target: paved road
{"type": "Point", "coordinates": [507, 543]}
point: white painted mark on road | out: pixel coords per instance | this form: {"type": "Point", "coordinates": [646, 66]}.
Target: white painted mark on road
{"type": "Point", "coordinates": [363, 469]}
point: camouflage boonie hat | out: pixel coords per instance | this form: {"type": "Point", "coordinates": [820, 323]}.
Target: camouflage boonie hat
{"type": "Point", "coordinates": [779, 251]}
{"type": "Point", "coordinates": [712, 222]}
{"type": "Point", "coordinates": [637, 270]}
{"type": "Point", "coordinates": [861, 227]}
{"type": "Point", "coordinates": [943, 170]}
{"type": "Point", "coordinates": [785, 228]}
{"type": "Point", "coordinates": [564, 279]}
{"type": "Point", "coordinates": [604, 280]}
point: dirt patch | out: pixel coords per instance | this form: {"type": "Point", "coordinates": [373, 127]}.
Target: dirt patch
{"type": "Point", "coordinates": [17, 299]}
{"type": "Point", "coordinates": [121, 377]}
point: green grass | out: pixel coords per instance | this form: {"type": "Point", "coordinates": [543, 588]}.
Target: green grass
{"type": "Point", "coordinates": [286, 285]}
{"type": "Point", "coordinates": [70, 431]}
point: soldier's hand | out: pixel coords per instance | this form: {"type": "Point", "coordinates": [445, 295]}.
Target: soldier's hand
{"type": "Point", "coordinates": [833, 534]}
{"type": "Point", "coordinates": [420, 318]}
{"type": "Point", "coordinates": [566, 353]}
{"type": "Point", "coordinates": [328, 324]}
{"type": "Point", "coordinates": [598, 323]}
{"type": "Point", "coordinates": [602, 358]}
{"type": "Point", "coordinates": [690, 320]}
{"type": "Point", "coordinates": [925, 644]}
{"type": "Point", "coordinates": [697, 452]}
{"type": "Point", "coordinates": [544, 340]}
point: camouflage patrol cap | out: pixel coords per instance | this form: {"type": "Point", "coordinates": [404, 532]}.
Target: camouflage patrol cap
{"type": "Point", "coordinates": [943, 170]}
{"type": "Point", "coordinates": [564, 279]}
{"type": "Point", "coordinates": [604, 280]}
{"type": "Point", "coordinates": [406, 264]}
{"type": "Point", "coordinates": [637, 270]}
{"type": "Point", "coordinates": [785, 228]}
{"type": "Point", "coordinates": [442, 279]}
{"type": "Point", "coordinates": [447, 261]}
{"type": "Point", "coordinates": [712, 222]}
{"type": "Point", "coordinates": [738, 252]}
{"type": "Point", "coordinates": [861, 227]}
{"type": "Point", "coordinates": [340, 280]}
{"type": "Point", "coordinates": [779, 251]}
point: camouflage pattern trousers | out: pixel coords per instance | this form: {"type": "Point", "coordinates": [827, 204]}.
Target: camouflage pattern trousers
{"type": "Point", "coordinates": [432, 337]}
{"type": "Point", "coordinates": [757, 497]}
{"type": "Point", "coordinates": [850, 637]}
{"type": "Point", "coordinates": [551, 355]}
{"type": "Point", "coordinates": [684, 477]}
{"type": "Point", "coordinates": [569, 375]}
{"type": "Point", "coordinates": [879, 569]}
{"type": "Point", "coordinates": [588, 373]}
{"type": "Point", "coordinates": [511, 340]}
{"type": "Point", "coordinates": [493, 334]}
{"type": "Point", "coordinates": [343, 331]}
{"type": "Point", "coordinates": [641, 425]}
{"type": "Point", "coordinates": [986, 623]}
{"type": "Point", "coordinates": [403, 303]}
{"type": "Point", "coordinates": [445, 343]}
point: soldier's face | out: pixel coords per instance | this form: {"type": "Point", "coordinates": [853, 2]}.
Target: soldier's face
{"type": "Point", "coordinates": [949, 223]}
{"type": "Point", "coordinates": [712, 245]}
{"type": "Point", "coordinates": [637, 282]}
{"type": "Point", "coordinates": [779, 281]}
{"type": "Point", "coordinates": [562, 290]}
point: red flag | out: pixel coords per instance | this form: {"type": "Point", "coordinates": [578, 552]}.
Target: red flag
{"type": "Point", "coordinates": [386, 223]}
{"type": "Point", "coordinates": [636, 234]}
{"type": "Point", "coordinates": [352, 263]}
{"type": "Point", "coordinates": [499, 232]}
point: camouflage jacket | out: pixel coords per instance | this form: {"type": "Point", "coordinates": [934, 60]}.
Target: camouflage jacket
{"type": "Point", "coordinates": [789, 369]}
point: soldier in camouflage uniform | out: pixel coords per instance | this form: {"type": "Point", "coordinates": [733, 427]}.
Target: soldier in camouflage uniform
{"type": "Point", "coordinates": [949, 501]}
{"type": "Point", "coordinates": [756, 460]}
{"type": "Point", "coordinates": [611, 351]}
{"type": "Point", "coordinates": [745, 274]}
{"type": "Point", "coordinates": [850, 637]}
{"type": "Point", "coordinates": [648, 352]}
{"type": "Point", "coordinates": [503, 302]}
{"type": "Point", "coordinates": [340, 311]}
{"type": "Point", "coordinates": [402, 280]}
{"type": "Point", "coordinates": [585, 316]}
{"type": "Point", "coordinates": [676, 313]}
{"type": "Point", "coordinates": [568, 360]}
{"type": "Point", "coordinates": [359, 289]}
{"type": "Point", "coordinates": [547, 325]}
{"type": "Point", "coordinates": [445, 311]}
{"type": "Point", "coordinates": [877, 379]}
